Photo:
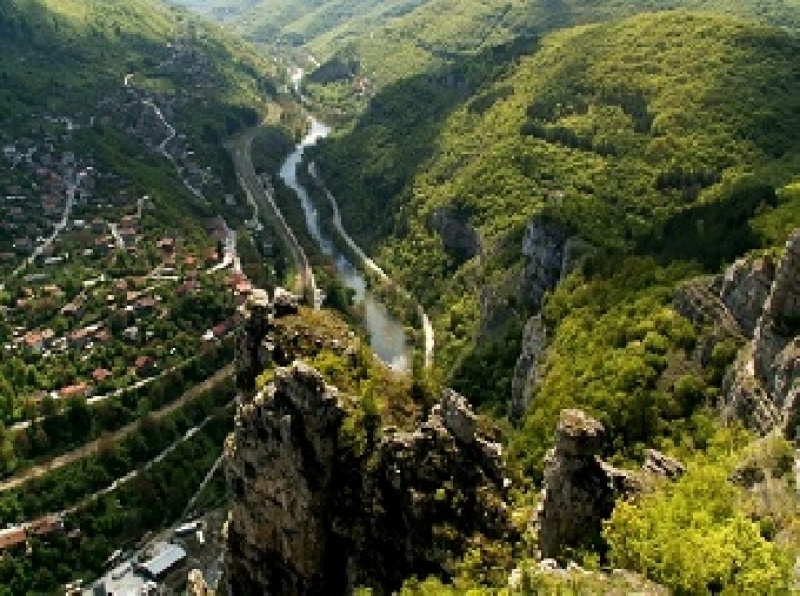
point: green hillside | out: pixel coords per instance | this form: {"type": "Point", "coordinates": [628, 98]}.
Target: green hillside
{"type": "Point", "coordinates": [384, 41]}
{"type": "Point", "coordinates": [664, 140]}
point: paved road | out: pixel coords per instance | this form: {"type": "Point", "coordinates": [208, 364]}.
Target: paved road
{"type": "Point", "coordinates": [94, 446]}
{"type": "Point", "coordinates": [261, 199]}
{"type": "Point", "coordinates": [72, 187]}
{"type": "Point", "coordinates": [371, 265]}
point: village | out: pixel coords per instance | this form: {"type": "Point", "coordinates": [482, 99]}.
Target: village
{"type": "Point", "coordinates": [114, 302]}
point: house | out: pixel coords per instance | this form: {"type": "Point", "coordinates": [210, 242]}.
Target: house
{"type": "Point", "coordinates": [128, 236]}
{"type": "Point", "coordinates": [166, 244]}
{"type": "Point", "coordinates": [37, 341]}
{"type": "Point", "coordinates": [101, 374]}
{"type": "Point", "coordinates": [12, 537]}
{"type": "Point", "coordinates": [131, 333]}
{"type": "Point", "coordinates": [79, 390]}
{"type": "Point", "coordinates": [80, 338]}
{"type": "Point", "coordinates": [146, 305]}
{"type": "Point", "coordinates": [145, 366]}
{"type": "Point", "coordinates": [71, 309]}
{"type": "Point", "coordinates": [98, 225]}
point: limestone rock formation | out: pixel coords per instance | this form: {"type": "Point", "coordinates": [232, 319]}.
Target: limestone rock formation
{"type": "Point", "coordinates": [534, 343]}
{"type": "Point", "coordinates": [543, 245]}
{"type": "Point", "coordinates": [659, 464]}
{"type": "Point", "coordinates": [579, 490]}
{"type": "Point", "coordinates": [457, 235]}
{"type": "Point", "coordinates": [551, 254]}
{"type": "Point", "coordinates": [762, 388]}
{"type": "Point", "coordinates": [324, 501]}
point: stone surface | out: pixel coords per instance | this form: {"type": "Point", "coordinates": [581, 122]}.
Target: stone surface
{"type": "Point", "coordinates": [579, 490]}
{"type": "Point", "coordinates": [543, 245]}
{"type": "Point", "coordinates": [534, 343]}
{"type": "Point", "coordinates": [457, 235]}
{"type": "Point", "coordinates": [551, 254]}
{"type": "Point", "coordinates": [322, 501]}
{"type": "Point", "coordinates": [744, 288]}
{"type": "Point", "coordinates": [761, 388]}
{"type": "Point", "coordinates": [659, 464]}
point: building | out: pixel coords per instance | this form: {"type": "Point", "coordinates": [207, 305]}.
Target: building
{"type": "Point", "coordinates": [169, 559]}
{"type": "Point", "coordinates": [146, 366]}
{"type": "Point", "coordinates": [12, 537]}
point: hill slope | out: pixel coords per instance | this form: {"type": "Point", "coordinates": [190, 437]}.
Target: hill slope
{"type": "Point", "coordinates": [392, 39]}
{"type": "Point", "coordinates": [628, 135]}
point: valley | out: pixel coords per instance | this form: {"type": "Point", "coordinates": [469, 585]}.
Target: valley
{"type": "Point", "coordinates": [540, 316]}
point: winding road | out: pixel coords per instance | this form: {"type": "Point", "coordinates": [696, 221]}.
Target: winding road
{"type": "Point", "coordinates": [93, 447]}
{"type": "Point", "coordinates": [263, 201]}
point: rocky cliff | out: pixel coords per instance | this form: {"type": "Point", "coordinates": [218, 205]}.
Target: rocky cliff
{"type": "Point", "coordinates": [580, 490]}
{"type": "Point", "coordinates": [325, 499]}
{"type": "Point", "coordinates": [551, 253]}
{"type": "Point", "coordinates": [757, 303]}
{"type": "Point", "coordinates": [763, 386]}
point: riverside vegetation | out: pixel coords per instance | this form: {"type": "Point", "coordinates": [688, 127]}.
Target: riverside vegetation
{"type": "Point", "coordinates": [663, 141]}
{"type": "Point", "coordinates": [630, 136]}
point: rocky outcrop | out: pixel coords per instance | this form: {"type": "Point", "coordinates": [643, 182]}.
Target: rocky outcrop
{"type": "Point", "coordinates": [458, 236]}
{"type": "Point", "coordinates": [658, 464]}
{"type": "Point", "coordinates": [744, 289]}
{"type": "Point", "coordinates": [544, 247]}
{"type": "Point", "coordinates": [324, 500]}
{"type": "Point", "coordinates": [551, 254]}
{"type": "Point", "coordinates": [761, 388]}
{"type": "Point", "coordinates": [579, 490]}
{"type": "Point", "coordinates": [526, 376]}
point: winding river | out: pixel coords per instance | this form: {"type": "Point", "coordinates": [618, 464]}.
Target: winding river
{"type": "Point", "coordinates": [387, 334]}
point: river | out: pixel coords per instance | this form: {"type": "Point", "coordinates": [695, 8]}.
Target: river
{"type": "Point", "coordinates": [387, 334]}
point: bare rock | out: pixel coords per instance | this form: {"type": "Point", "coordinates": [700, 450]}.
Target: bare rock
{"type": "Point", "coordinates": [543, 245]}
{"type": "Point", "coordinates": [525, 379]}
{"type": "Point", "coordinates": [579, 490]}
{"type": "Point", "coordinates": [659, 464]}
{"type": "Point", "coordinates": [761, 389]}
{"type": "Point", "coordinates": [323, 500]}
{"type": "Point", "coordinates": [458, 236]}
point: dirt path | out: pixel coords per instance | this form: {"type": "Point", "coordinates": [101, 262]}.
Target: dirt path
{"type": "Point", "coordinates": [93, 447]}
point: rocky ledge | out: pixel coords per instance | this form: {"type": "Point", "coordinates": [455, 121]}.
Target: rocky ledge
{"type": "Point", "coordinates": [580, 490]}
{"type": "Point", "coordinates": [324, 499]}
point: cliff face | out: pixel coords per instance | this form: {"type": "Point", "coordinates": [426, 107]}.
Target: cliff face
{"type": "Point", "coordinates": [757, 303]}
{"type": "Point", "coordinates": [762, 387]}
{"type": "Point", "coordinates": [551, 254]}
{"type": "Point", "coordinates": [324, 500]}
{"type": "Point", "coordinates": [580, 490]}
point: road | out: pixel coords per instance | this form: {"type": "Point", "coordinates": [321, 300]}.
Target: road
{"type": "Point", "coordinates": [93, 447]}
{"type": "Point", "coordinates": [371, 265]}
{"type": "Point", "coordinates": [261, 199]}
{"type": "Point", "coordinates": [72, 187]}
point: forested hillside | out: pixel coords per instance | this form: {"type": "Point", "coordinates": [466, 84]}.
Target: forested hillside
{"type": "Point", "coordinates": [663, 141]}
{"type": "Point", "coordinates": [117, 212]}
{"type": "Point", "coordinates": [384, 41]}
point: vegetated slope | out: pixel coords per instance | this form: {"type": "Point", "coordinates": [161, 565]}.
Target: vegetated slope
{"type": "Point", "coordinates": [63, 52]}
{"type": "Point", "coordinates": [661, 140]}
{"type": "Point", "coordinates": [68, 57]}
{"type": "Point", "coordinates": [388, 40]}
